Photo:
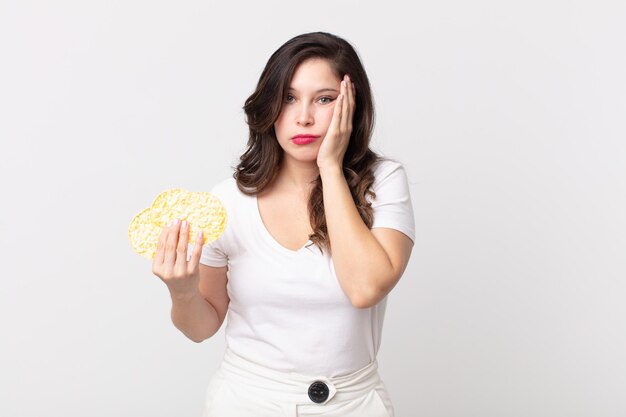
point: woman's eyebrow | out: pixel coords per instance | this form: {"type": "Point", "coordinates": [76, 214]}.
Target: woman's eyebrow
{"type": "Point", "coordinates": [318, 91]}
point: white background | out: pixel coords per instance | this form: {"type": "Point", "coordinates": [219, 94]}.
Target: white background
{"type": "Point", "coordinates": [509, 117]}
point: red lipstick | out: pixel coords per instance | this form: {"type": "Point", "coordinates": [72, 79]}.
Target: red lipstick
{"type": "Point", "coordinates": [304, 139]}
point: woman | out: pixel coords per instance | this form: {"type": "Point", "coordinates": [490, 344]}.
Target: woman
{"type": "Point", "coordinates": [320, 229]}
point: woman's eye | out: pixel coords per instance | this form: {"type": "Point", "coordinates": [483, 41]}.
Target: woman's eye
{"type": "Point", "coordinates": [289, 98]}
{"type": "Point", "coordinates": [326, 100]}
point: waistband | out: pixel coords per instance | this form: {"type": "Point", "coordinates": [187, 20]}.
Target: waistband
{"type": "Point", "coordinates": [293, 387]}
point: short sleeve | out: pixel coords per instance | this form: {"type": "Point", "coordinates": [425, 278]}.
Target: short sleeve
{"type": "Point", "coordinates": [213, 254]}
{"type": "Point", "coordinates": [392, 205]}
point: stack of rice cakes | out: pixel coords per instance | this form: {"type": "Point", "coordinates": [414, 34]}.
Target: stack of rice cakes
{"type": "Point", "coordinates": [202, 210]}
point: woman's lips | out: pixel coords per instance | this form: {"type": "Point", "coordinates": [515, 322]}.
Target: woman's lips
{"type": "Point", "coordinates": [304, 139]}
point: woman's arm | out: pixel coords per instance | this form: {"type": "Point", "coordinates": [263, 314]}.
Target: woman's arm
{"type": "Point", "coordinates": [368, 263]}
{"type": "Point", "coordinates": [198, 292]}
{"type": "Point", "coordinates": [201, 314]}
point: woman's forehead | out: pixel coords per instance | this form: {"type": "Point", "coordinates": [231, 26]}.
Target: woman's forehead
{"type": "Point", "coordinates": [314, 74]}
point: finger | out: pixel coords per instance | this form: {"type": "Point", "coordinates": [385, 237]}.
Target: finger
{"type": "Point", "coordinates": [197, 251]}
{"type": "Point", "coordinates": [352, 95]}
{"type": "Point", "coordinates": [181, 248]}
{"type": "Point", "coordinates": [170, 245]}
{"type": "Point", "coordinates": [160, 252]}
{"type": "Point", "coordinates": [334, 123]}
{"type": "Point", "coordinates": [344, 108]}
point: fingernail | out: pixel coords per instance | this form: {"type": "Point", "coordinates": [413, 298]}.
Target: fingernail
{"type": "Point", "coordinates": [184, 224]}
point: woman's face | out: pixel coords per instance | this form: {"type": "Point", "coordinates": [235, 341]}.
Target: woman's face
{"type": "Point", "coordinates": [307, 109]}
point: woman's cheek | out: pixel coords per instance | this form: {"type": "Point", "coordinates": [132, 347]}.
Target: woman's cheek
{"type": "Point", "coordinates": [328, 115]}
{"type": "Point", "coordinates": [279, 124]}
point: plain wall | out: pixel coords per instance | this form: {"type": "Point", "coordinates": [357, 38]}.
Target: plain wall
{"type": "Point", "coordinates": [509, 117]}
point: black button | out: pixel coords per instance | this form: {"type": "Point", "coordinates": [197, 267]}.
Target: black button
{"type": "Point", "coordinates": [318, 392]}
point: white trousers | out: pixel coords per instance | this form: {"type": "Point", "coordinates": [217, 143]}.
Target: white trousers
{"type": "Point", "coordinates": [241, 388]}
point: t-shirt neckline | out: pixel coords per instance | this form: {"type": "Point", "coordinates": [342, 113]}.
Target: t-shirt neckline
{"type": "Point", "coordinates": [268, 236]}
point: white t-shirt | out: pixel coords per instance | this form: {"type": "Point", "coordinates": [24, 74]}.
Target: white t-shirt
{"type": "Point", "coordinates": [287, 310]}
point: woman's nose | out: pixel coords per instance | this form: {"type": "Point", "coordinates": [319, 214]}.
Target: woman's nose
{"type": "Point", "coordinates": [305, 116]}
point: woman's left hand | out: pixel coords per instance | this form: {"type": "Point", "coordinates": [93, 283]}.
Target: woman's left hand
{"type": "Point", "coordinates": [335, 143]}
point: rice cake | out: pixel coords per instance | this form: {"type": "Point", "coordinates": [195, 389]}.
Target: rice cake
{"type": "Point", "coordinates": [202, 210]}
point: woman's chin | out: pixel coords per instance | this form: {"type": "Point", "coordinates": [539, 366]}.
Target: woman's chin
{"type": "Point", "coordinates": [301, 159]}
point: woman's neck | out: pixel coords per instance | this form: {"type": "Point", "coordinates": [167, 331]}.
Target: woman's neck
{"type": "Point", "coordinates": [297, 175]}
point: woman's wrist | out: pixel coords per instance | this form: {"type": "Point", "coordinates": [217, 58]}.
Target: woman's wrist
{"type": "Point", "coordinates": [183, 296]}
{"type": "Point", "coordinates": [330, 170]}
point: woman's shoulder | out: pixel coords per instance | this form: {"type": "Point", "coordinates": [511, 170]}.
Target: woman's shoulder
{"type": "Point", "coordinates": [385, 166]}
{"type": "Point", "coordinates": [228, 193]}
{"type": "Point", "coordinates": [226, 185]}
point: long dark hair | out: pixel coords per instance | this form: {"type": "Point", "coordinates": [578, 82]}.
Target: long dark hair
{"type": "Point", "coordinates": [261, 161]}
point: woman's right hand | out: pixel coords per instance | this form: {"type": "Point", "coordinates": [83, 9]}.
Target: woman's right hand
{"type": "Point", "coordinates": [170, 261]}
